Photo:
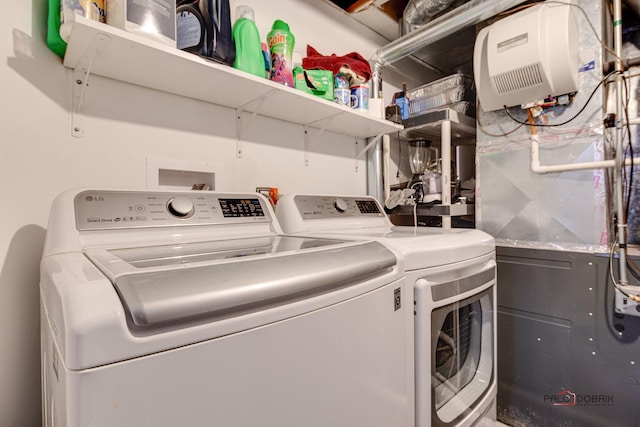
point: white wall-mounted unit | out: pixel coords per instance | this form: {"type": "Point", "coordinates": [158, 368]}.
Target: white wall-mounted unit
{"type": "Point", "coordinates": [527, 56]}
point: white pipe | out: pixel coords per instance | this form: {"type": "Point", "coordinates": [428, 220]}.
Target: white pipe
{"type": "Point", "coordinates": [568, 167]}
{"type": "Point", "coordinates": [445, 155]}
{"type": "Point", "coordinates": [386, 166]}
{"type": "Point", "coordinates": [542, 169]}
{"type": "Point", "coordinates": [374, 167]}
{"type": "Point", "coordinates": [619, 183]}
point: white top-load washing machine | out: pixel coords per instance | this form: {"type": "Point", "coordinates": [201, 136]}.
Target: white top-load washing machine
{"type": "Point", "coordinates": [453, 275]}
{"type": "Point", "coordinates": [191, 309]}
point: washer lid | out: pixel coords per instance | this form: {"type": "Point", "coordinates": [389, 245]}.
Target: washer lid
{"type": "Point", "coordinates": [426, 247]}
{"type": "Point", "coordinates": [170, 285]}
{"type": "Point", "coordinates": [421, 247]}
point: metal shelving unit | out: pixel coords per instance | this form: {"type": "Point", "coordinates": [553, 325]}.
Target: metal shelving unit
{"type": "Point", "coordinates": [444, 124]}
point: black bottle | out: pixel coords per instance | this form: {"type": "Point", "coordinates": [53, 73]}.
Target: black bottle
{"type": "Point", "coordinates": [217, 18]}
{"type": "Point", "coordinates": [190, 27]}
{"type": "Point", "coordinates": [204, 28]}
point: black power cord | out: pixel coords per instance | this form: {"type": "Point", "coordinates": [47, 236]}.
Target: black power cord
{"type": "Point", "coordinates": [604, 79]}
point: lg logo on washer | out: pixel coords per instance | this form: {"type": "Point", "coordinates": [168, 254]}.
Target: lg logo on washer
{"type": "Point", "coordinates": [94, 199]}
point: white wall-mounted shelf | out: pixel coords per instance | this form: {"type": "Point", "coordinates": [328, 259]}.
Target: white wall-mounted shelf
{"type": "Point", "coordinates": [113, 53]}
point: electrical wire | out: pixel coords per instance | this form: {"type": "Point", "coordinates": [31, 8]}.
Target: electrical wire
{"type": "Point", "coordinates": [616, 285]}
{"type": "Point", "coordinates": [482, 128]}
{"type": "Point", "coordinates": [586, 17]}
{"type": "Point", "coordinates": [595, 33]}
{"type": "Point", "coordinates": [636, 270]}
{"type": "Point", "coordinates": [631, 265]}
{"type": "Point", "coordinates": [612, 276]}
{"type": "Point", "coordinates": [604, 79]}
{"type": "Point", "coordinates": [399, 156]}
{"type": "Point", "coordinates": [584, 13]}
{"type": "Point", "coordinates": [630, 149]}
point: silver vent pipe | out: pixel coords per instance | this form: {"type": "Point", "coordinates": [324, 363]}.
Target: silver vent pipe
{"type": "Point", "coordinates": [470, 13]}
{"type": "Point", "coordinates": [419, 12]}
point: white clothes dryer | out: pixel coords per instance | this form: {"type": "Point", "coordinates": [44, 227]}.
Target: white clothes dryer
{"type": "Point", "coordinates": [190, 308]}
{"type": "Point", "coordinates": [453, 275]}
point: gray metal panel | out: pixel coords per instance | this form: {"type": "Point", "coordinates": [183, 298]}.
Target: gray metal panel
{"type": "Point", "coordinates": [557, 331]}
{"type": "Point", "coordinates": [182, 294]}
{"type": "Point", "coordinates": [541, 286]}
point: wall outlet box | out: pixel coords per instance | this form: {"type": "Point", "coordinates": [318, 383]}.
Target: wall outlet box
{"type": "Point", "coordinates": [184, 174]}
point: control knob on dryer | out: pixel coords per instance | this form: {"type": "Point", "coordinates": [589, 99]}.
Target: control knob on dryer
{"type": "Point", "coordinates": [340, 205]}
{"type": "Point", "coordinates": [180, 207]}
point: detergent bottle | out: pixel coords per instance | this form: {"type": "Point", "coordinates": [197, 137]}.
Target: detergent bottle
{"type": "Point", "coordinates": [281, 43]}
{"type": "Point", "coordinates": [219, 40]}
{"type": "Point", "coordinates": [248, 45]}
{"type": "Point", "coordinates": [191, 30]}
{"type": "Point", "coordinates": [54, 41]}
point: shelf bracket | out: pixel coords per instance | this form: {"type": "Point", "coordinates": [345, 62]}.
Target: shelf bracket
{"type": "Point", "coordinates": [306, 139]}
{"type": "Point", "coordinates": [81, 74]}
{"type": "Point", "coordinates": [242, 126]}
{"type": "Point", "coordinates": [326, 121]}
{"type": "Point", "coordinates": [371, 143]}
{"type": "Point", "coordinates": [306, 145]}
{"type": "Point", "coordinates": [355, 160]}
{"type": "Point", "coordinates": [321, 130]}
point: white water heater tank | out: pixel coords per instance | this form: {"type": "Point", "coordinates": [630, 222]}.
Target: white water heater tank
{"type": "Point", "coordinates": [528, 56]}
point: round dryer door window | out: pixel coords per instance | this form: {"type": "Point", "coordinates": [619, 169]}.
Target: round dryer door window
{"type": "Point", "coordinates": [461, 356]}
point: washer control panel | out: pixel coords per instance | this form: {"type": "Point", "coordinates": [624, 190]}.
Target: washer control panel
{"type": "Point", "coordinates": [99, 210]}
{"type": "Point", "coordinates": [323, 207]}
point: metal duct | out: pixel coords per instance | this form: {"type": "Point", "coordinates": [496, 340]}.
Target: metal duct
{"type": "Point", "coordinates": [418, 12]}
{"type": "Point", "coordinates": [471, 13]}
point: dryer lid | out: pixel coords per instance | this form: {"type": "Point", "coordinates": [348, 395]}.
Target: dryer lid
{"type": "Point", "coordinates": [177, 284]}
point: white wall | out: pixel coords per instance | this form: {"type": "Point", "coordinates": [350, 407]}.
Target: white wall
{"type": "Point", "coordinates": [125, 126]}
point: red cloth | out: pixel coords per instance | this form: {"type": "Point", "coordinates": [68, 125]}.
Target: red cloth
{"type": "Point", "coordinates": [353, 60]}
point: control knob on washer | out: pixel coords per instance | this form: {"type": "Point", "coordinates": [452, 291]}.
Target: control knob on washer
{"type": "Point", "coordinates": [340, 205]}
{"type": "Point", "coordinates": [180, 207]}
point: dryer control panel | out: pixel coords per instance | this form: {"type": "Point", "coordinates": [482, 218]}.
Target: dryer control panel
{"type": "Point", "coordinates": [323, 207]}
{"type": "Point", "coordinates": [99, 210]}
